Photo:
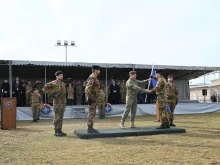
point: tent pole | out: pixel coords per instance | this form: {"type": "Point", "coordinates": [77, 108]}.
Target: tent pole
{"type": "Point", "coordinates": [204, 77]}
{"type": "Point", "coordinates": [45, 81]}
{"type": "Point", "coordinates": [10, 78]}
{"type": "Point", "coordinates": [106, 84]}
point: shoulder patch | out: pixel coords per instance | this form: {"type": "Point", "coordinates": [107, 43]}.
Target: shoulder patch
{"type": "Point", "coordinates": [90, 82]}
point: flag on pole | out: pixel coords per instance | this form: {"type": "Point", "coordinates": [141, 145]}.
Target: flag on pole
{"type": "Point", "coordinates": [154, 84]}
{"type": "Point", "coordinates": [153, 80]}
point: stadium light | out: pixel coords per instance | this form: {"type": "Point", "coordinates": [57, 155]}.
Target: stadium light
{"type": "Point", "coordinates": [59, 43]}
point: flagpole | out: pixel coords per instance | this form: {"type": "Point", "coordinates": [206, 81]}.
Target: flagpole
{"type": "Point", "coordinates": [149, 83]}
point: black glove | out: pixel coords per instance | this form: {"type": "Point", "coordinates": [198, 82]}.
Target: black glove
{"type": "Point", "coordinates": [151, 76]}
{"type": "Point", "coordinates": [176, 101]}
{"type": "Point", "coordinates": [90, 101]}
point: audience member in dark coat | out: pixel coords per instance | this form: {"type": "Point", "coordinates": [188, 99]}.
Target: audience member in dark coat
{"type": "Point", "coordinates": [17, 91]}
{"type": "Point", "coordinates": [5, 89]}
{"type": "Point", "coordinates": [114, 92]}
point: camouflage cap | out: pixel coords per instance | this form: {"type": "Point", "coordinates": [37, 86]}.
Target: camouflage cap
{"type": "Point", "coordinates": [170, 76]}
{"type": "Point", "coordinates": [132, 72]}
{"type": "Point", "coordinates": [96, 67]}
{"type": "Point", "coordinates": [58, 73]}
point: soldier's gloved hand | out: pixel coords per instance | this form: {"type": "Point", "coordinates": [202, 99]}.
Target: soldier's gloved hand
{"type": "Point", "coordinates": [176, 101]}
{"type": "Point", "coordinates": [90, 101]}
{"type": "Point", "coordinates": [151, 76]}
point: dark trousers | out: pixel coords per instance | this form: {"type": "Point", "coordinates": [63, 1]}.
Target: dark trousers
{"type": "Point", "coordinates": [70, 102]}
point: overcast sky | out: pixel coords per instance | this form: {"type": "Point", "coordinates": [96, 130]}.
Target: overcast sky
{"type": "Point", "coordinates": [164, 32]}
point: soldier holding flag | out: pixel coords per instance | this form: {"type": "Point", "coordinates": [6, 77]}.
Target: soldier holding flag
{"type": "Point", "coordinates": [160, 90]}
{"type": "Point", "coordinates": [172, 97]}
{"type": "Point", "coordinates": [131, 98]}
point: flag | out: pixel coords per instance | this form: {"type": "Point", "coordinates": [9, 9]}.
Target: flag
{"type": "Point", "coordinates": [154, 84]}
{"type": "Point", "coordinates": [153, 80]}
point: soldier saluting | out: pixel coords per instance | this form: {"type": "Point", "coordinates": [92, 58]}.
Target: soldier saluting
{"type": "Point", "coordinates": [92, 92]}
{"type": "Point", "coordinates": [57, 89]}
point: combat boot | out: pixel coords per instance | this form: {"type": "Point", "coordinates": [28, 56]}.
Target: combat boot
{"type": "Point", "coordinates": [122, 124]}
{"type": "Point", "coordinates": [162, 126]}
{"type": "Point", "coordinates": [58, 133]}
{"type": "Point", "coordinates": [38, 118]}
{"type": "Point", "coordinates": [92, 130]}
{"type": "Point", "coordinates": [168, 125]}
{"type": "Point", "coordinates": [132, 125]}
{"type": "Point", "coordinates": [64, 134]}
{"type": "Point", "coordinates": [35, 120]}
{"type": "Point", "coordinates": [172, 124]}
{"type": "Point", "coordinates": [101, 117]}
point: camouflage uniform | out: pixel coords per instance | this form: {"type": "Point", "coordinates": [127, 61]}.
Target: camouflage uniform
{"type": "Point", "coordinates": [131, 98]}
{"type": "Point", "coordinates": [160, 90]}
{"type": "Point", "coordinates": [79, 93]}
{"type": "Point", "coordinates": [58, 90]}
{"type": "Point", "coordinates": [101, 104]}
{"type": "Point", "coordinates": [172, 97]}
{"type": "Point", "coordinates": [104, 88]}
{"type": "Point", "coordinates": [92, 92]}
{"type": "Point", "coordinates": [123, 93]}
{"type": "Point", "coordinates": [35, 104]}
{"type": "Point", "coordinates": [39, 87]}
{"type": "Point", "coordinates": [28, 95]}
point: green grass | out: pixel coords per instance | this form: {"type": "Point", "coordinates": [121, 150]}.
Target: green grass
{"type": "Point", "coordinates": [35, 143]}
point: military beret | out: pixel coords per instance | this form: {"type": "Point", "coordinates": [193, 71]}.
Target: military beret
{"type": "Point", "coordinates": [132, 72]}
{"type": "Point", "coordinates": [33, 89]}
{"type": "Point", "coordinates": [159, 71]}
{"type": "Point", "coordinates": [96, 67]}
{"type": "Point", "coordinates": [58, 73]}
{"type": "Point", "coordinates": [170, 76]}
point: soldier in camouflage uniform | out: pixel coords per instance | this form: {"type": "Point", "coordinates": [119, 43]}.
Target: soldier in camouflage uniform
{"type": "Point", "coordinates": [172, 97]}
{"type": "Point", "coordinates": [58, 90]}
{"type": "Point", "coordinates": [101, 104]}
{"type": "Point", "coordinates": [160, 90]}
{"type": "Point", "coordinates": [131, 98]}
{"type": "Point", "coordinates": [36, 100]}
{"type": "Point", "coordinates": [39, 86]}
{"type": "Point", "coordinates": [79, 93]}
{"type": "Point", "coordinates": [123, 92]}
{"type": "Point", "coordinates": [92, 92]}
{"type": "Point", "coordinates": [28, 93]}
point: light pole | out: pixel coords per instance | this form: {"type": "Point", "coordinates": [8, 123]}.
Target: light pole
{"type": "Point", "coordinates": [65, 44]}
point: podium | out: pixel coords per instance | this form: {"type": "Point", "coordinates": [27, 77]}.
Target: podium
{"type": "Point", "coordinates": [8, 113]}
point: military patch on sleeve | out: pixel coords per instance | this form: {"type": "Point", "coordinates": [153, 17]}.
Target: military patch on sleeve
{"type": "Point", "coordinates": [90, 82]}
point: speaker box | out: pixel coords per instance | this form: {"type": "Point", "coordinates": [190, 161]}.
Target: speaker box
{"type": "Point", "coordinates": [204, 92]}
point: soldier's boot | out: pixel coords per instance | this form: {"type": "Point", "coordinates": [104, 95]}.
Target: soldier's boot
{"type": "Point", "coordinates": [64, 134]}
{"type": "Point", "coordinates": [122, 124]}
{"type": "Point", "coordinates": [38, 118]}
{"type": "Point", "coordinates": [168, 125]}
{"type": "Point", "coordinates": [92, 130]}
{"type": "Point", "coordinates": [132, 125]}
{"type": "Point", "coordinates": [162, 126]}
{"type": "Point", "coordinates": [58, 133]}
{"type": "Point", "coordinates": [172, 124]}
{"type": "Point", "coordinates": [35, 120]}
{"type": "Point", "coordinates": [101, 117]}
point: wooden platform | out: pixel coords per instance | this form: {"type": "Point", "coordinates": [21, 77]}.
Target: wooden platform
{"type": "Point", "coordinates": [118, 132]}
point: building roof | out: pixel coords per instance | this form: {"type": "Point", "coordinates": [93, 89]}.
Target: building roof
{"type": "Point", "coordinates": [179, 72]}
